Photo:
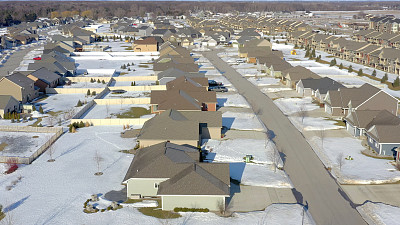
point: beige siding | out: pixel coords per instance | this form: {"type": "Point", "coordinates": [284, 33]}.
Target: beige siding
{"type": "Point", "coordinates": [143, 186]}
{"type": "Point", "coordinates": [9, 88]}
{"type": "Point", "coordinates": [146, 143]}
{"type": "Point", "coordinates": [209, 202]}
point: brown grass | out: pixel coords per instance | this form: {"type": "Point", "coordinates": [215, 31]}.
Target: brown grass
{"type": "Point", "coordinates": [134, 112]}
{"type": "Point", "coordinates": [158, 213]}
{"type": "Point", "coordinates": [3, 146]}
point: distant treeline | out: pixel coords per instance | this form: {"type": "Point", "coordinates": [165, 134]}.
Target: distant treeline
{"type": "Point", "coordinates": [15, 12]}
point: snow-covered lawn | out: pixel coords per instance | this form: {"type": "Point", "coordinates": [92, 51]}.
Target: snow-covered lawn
{"type": "Point", "coordinates": [249, 72]}
{"type": "Point", "coordinates": [272, 90]}
{"type": "Point", "coordinates": [259, 175]}
{"type": "Point", "coordinates": [326, 70]}
{"type": "Point", "coordinates": [62, 102]}
{"type": "Point", "coordinates": [241, 121]}
{"type": "Point", "coordinates": [381, 213]}
{"type": "Point", "coordinates": [22, 144]}
{"type": "Point", "coordinates": [129, 83]}
{"type": "Point", "coordinates": [232, 100]}
{"type": "Point", "coordinates": [307, 63]}
{"type": "Point", "coordinates": [244, 66]}
{"type": "Point", "coordinates": [86, 85]}
{"type": "Point", "coordinates": [362, 169]}
{"type": "Point", "coordinates": [234, 150]}
{"type": "Point", "coordinates": [294, 105]}
{"type": "Point", "coordinates": [128, 94]}
{"type": "Point", "coordinates": [96, 62]}
{"type": "Point", "coordinates": [117, 45]}
{"type": "Point", "coordinates": [313, 123]}
{"type": "Point", "coordinates": [101, 112]}
{"type": "Point", "coordinates": [54, 192]}
{"type": "Point", "coordinates": [263, 81]}
{"type": "Point", "coordinates": [210, 72]}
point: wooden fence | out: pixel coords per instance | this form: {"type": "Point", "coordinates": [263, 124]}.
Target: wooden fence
{"type": "Point", "coordinates": [58, 131]}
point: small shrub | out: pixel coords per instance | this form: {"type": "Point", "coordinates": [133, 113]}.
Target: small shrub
{"type": "Point", "coordinates": [88, 92]}
{"type": "Point", "coordinates": [103, 82]}
{"type": "Point", "coordinates": [41, 110]}
{"type": "Point", "coordinates": [108, 208]}
{"type": "Point", "coordinates": [184, 209]}
{"type": "Point", "coordinates": [102, 210]}
{"type": "Point", "coordinates": [374, 73]}
{"type": "Point", "coordinates": [81, 124]}
{"type": "Point", "coordinates": [93, 93]}
{"type": "Point", "coordinates": [98, 81]}
{"type": "Point", "coordinates": [360, 72]}
{"type": "Point", "coordinates": [350, 70]}
{"type": "Point", "coordinates": [79, 104]}
{"type": "Point", "coordinates": [30, 118]}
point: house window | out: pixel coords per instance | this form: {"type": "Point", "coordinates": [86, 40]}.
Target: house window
{"type": "Point", "coordinates": [156, 185]}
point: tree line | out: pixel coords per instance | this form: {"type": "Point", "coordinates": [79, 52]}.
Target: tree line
{"type": "Point", "coordinates": [16, 12]}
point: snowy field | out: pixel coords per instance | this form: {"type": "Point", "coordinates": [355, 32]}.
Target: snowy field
{"type": "Point", "coordinates": [294, 105]}
{"type": "Point", "coordinates": [232, 100]}
{"type": "Point", "coordinates": [96, 62]}
{"type": "Point", "coordinates": [109, 111]}
{"type": "Point", "coordinates": [362, 169]}
{"type": "Point", "coordinates": [241, 121]}
{"type": "Point", "coordinates": [117, 45]}
{"type": "Point", "coordinates": [22, 144]}
{"type": "Point", "coordinates": [263, 81]}
{"type": "Point", "coordinates": [210, 72]}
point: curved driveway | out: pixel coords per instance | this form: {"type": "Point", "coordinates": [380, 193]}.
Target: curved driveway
{"type": "Point", "coordinates": [315, 188]}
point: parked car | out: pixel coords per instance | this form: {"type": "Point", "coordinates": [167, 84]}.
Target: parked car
{"type": "Point", "coordinates": [37, 58]}
{"type": "Point", "coordinates": [240, 61]}
{"type": "Point", "coordinates": [213, 83]}
{"type": "Point", "coordinates": [218, 89]}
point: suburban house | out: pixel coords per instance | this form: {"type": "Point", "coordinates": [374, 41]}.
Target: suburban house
{"type": "Point", "coordinates": [359, 121]}
{"type": "Point", "coordinates": [272, 65]}
{"type": "Point", "coordinates": [19, 86]}
{"type": "Point", "coordinates": [175, 174]}
{"type": "Point", "coordinates": [181, 127]}
{"type": "Point", "coordinates": [291, 76]}
{"type": "Point", "coordinates": [255, 47]}
{"type": "Point", "coordinates": [164, 65]}
{"type": "Point", "coordinates": [317, 88]}
{"type": "Point", "coordinates": [44, 78]}
{"type": "Point", "coordinates": [8, 104]}
{"type": "Point", "coordinates": [384, 139]}
{"type": "Point", "coordinates": [188, 84]}
{"type": "Point", "coordinates": [149, 44]}
{"type": "Point", "coordinates": [366, 97]}
{"type": "Point", "coordinates": [183, 100]}
{"type": "Point", "coordinates": [172, 73]}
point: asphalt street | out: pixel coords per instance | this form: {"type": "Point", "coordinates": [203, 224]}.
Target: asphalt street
{"type": "Point", "coordinates": [314, 186]}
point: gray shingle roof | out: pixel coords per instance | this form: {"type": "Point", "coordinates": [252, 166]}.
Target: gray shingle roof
{"type": "Point", "coordinates": [45, 75]}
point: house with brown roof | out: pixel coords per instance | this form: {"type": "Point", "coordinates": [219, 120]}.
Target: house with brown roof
{"type": "Point", "coordinates": [367, 97]}
{"type": "Point", "coordinates": [317, 88]}
{"type": "Point", "coordinates": [359, 121]}
{"type": "Point", "coordinates": [291, 76]}
{"type": "Point", "coordinates": [44, 78]}
{"type": "Point", "coordinates": [181, 127]}
{"type": "Point", "coordinates": [272, 65]}
{"type": "Point", "coordinates": [19, 86]}
{"type": "Point", "coordinates": [148, 44]}
{"type": "Point", "coordinates": [175, 174]}
{"type": "Point", "coordinates": [384, 139]}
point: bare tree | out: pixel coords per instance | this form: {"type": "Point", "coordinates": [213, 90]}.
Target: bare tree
{"type": "Point", "coordinates": [50, 151]}
{"type": "Point", "coordinates": [322, 135]}
{"type": "Point", "coordinates": [107, 109]}
{"type": "Point", "coordinates": [303, 112]}
{"type": "Point", "coordinates": [98, 159]}
{"type": "Point", "coordinates": [274, 155]}
{"type": "Point", "coordinates": [340, 160]}
{"type": "Point", "coordinates": [51, 120]}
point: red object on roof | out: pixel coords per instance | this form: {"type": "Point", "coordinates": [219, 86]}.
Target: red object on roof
{"type": "Point", "coordinates": [37, 58]}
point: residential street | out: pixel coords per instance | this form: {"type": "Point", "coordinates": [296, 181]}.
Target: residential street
{"type": "Point", "coordinates": [315, 188]}
{"type": "Point", "coordinates": [14, 61]}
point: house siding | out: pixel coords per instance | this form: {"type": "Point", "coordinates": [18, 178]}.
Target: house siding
{"type": "Point", "coordinates": [143, 187]}
{"type": "Point", "coordinates": [147, 143]}
{"type": "Point", "coordinates": [209, 202]}
{"type": "Point", "coordinates": [389, 149]}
